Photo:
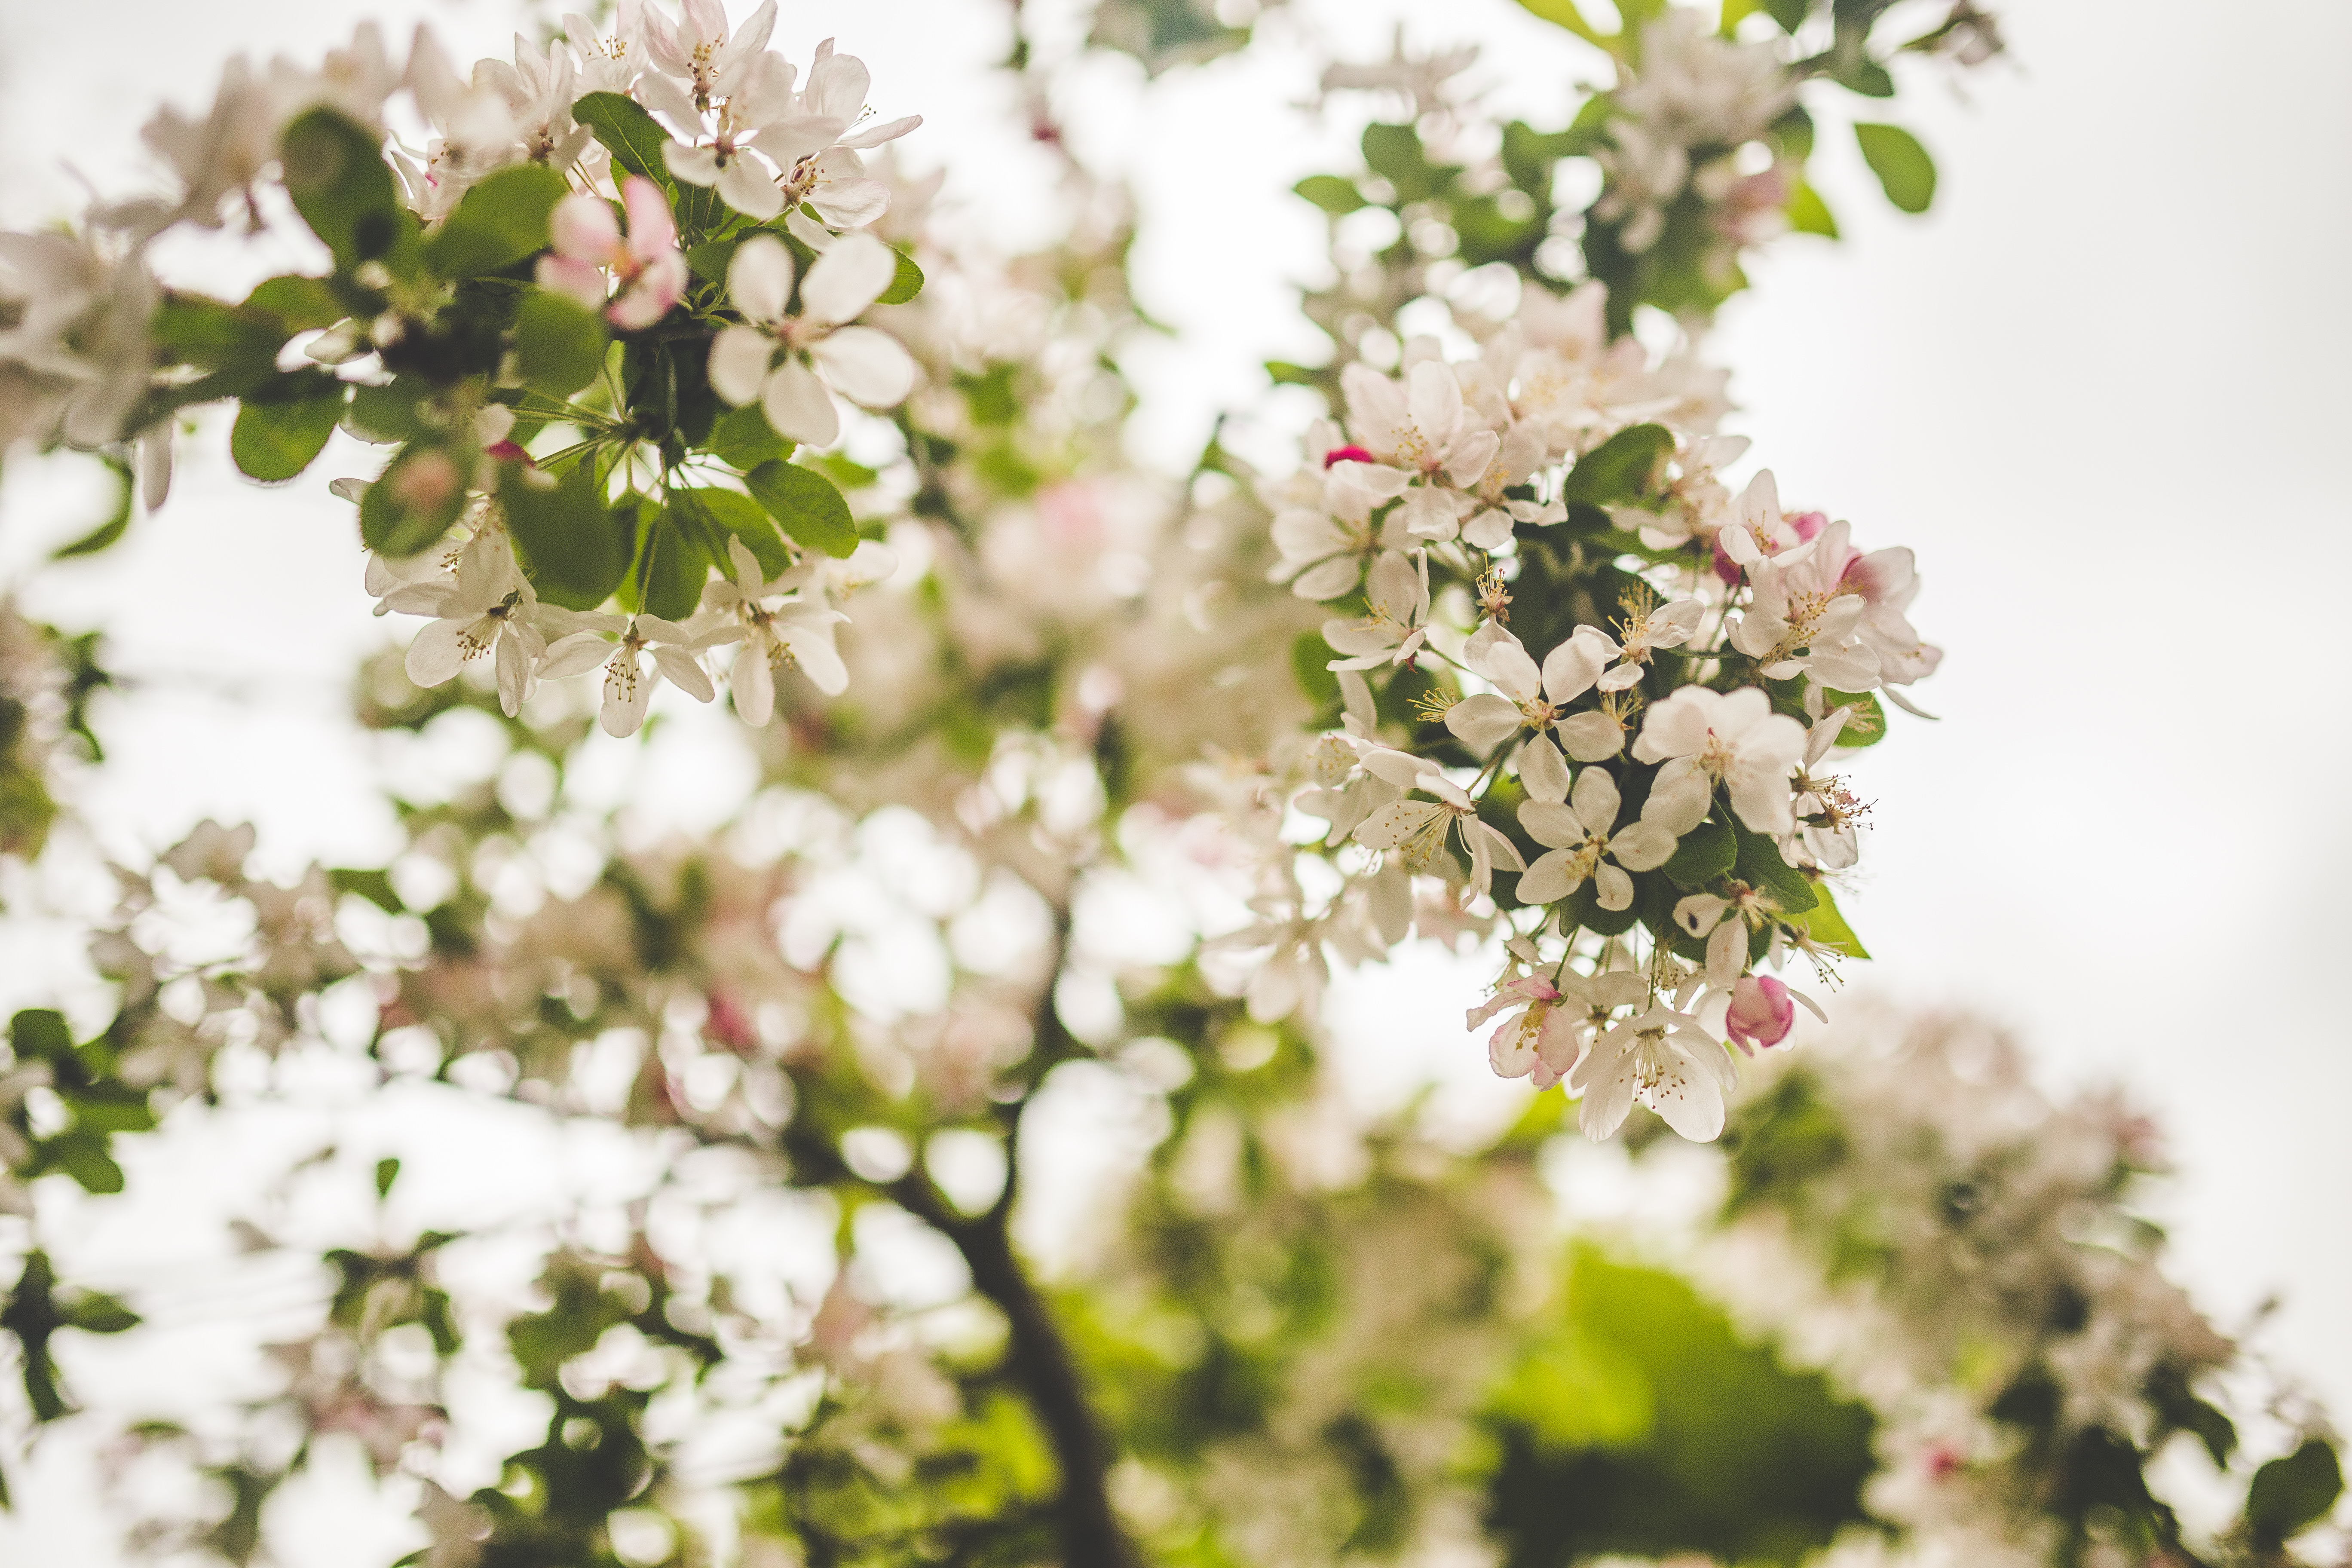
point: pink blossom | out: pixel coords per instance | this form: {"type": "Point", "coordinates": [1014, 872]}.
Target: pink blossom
{"type": "Point", "coordinates": [1762, 1013]}
{"type": "Point", "coordinates": [1347, 455]}
{"type": "Point", "coordinates": [646, 266]}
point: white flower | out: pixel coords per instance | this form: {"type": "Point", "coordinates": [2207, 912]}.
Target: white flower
{"type": "Point", "coordinates": [865, 364]}
{"type": "Point", "coordinates": [826, 172]}
{"type": "Point", "coordinates": [580, 646]}
{"type": "Point", "coordinates": [486, 613]}
{"type": "Point", "coordinates": [1396, 612]}
{"type": "Point", "coordinates": [1534, 698]}
{"type": "Point", "coordinates": [761, 93]}
{"type": "Point", "coordinates": [608, 62]}
{"type": "Point", "coordinates": [1663, 1059]}
{"type": "Point", "coordinates": [1322, 526]}
{"type": "Point", "coordinates": [1421, 427]}
{"type": "Point", "coordinates": [539, 90]}
{"type": "Point", "coordinates": [1647, 627]}
{"type": "Point", "coordinates": [697, 51]}
{"type": "Point", "coordinates": [1803, 620]}
{"type": "Point", "coordinates": [1824, 806]}
{"type": "Point", "coordinates": [778, 637]}
{"type": "Point", "coordinates": [1533, 1038]}
{"type": "Point", "coordinates": [1734, 739]}
{"type": "Point", "coordinates": [1581, 832]}
{"type": "Point", "coordinates": [1418, 828]}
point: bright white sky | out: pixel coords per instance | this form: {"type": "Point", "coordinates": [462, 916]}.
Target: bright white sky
{"type": "Point", "coordinates": [2094, 389]}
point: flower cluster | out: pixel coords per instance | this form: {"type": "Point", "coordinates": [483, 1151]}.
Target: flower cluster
{"type": "Point", "coordinates": [549, 310]}
{"type": "Point", "coordinates": [1647, 803]}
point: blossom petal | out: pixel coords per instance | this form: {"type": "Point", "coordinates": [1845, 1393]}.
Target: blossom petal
{"type": "Point", "coordinates": [799, 406]}
{"type": "Point", "coordinates": [847, 279]}
{"type": "Point", "coordinates": [760, 277]}
{"type": "Point", "coordinates": [864, 365]}
{"type": "Point", "coordinates": [753, 684]}
{"type": "Point", "coordinates": [652, 230]}
{"type": "Point", "coordinates": [739, 363]}
{"type": "Point", "coordinates": [1644, 846]}
{"type": "Point", "coordinates": [1542, 772]}
{"type": "Point", "coordinates": [1548, 823]}
{"type": "Point", "coordinates": [584, 229]}
{"type": "Point", "coordinates": [746, 185]}
{"type": "Point", "coordinates": [1484, 721]}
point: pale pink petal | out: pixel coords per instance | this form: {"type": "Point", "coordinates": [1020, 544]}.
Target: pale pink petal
{"type": "Point", "coordinates": [739, 363]}
{"type": "Point", "coordinates": [652, 230]}
{"type": "Point", "coordinates": [580, 280]}
{"type": "Point", "coordinates": [799, 406]}
{"type": "Point", "coordinates": [887, 131]}
{"type": "Point", "coordinates": [847, 279]}
{"type": "Point", "coordinates": [760, 277]}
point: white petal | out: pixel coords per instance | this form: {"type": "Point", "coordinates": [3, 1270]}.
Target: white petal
{"type": "Point", "coordinates": [1596, 799]}
{"type": "Point", "coordinates": [1644, 846]}
{"type": "Point", "coordinates": [1615, 890]}
{"type": "Point", "coordinates": [746, 185]}
{"type": "Point", "coordinates": [1590, 737]}
{"type": "Point", "coordinates": [1549, 880]}
{"type": "Point", "coordinates": [1548, 823]}
{"type": "Point", "coordinates": [695, 165]}
{"type": "Point", "coordinates": [684, 672]}
{"type": "Point", "coordinates": [1541, 771]}
{"type": "Point", "coordinates": [739, 363]}
{"type": "Point", "coordinates": [753, 684]}
{"type": "Point", "coordinates": [760, 277]}
{"type": "Point", "coordinates": [439, 652]}
{"type": "Point", "coordinates": [799, 406]}
{"type": "Point", "coordinates": [887, 131]}
{"type": "Point", "coordinates": [864, 365]}
{"type": "Point", "coordinates": [847, 279]}
{"type": "Point", "coordinates": [1484, 721]}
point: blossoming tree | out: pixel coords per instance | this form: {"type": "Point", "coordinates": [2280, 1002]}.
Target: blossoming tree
{"type": "Point", "coordinates": [667, 383]}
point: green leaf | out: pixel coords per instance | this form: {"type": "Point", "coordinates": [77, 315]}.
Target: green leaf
{"type": "Point", "coordinates": [1901, 165]}
{"type": "Point", "coordinates": [1702, 854]}
{"type": "Point", "coordinates": [1332, 194]}
{"type": "Point", "coordinates": [576, 555]}
{"type": "Point", "coordinates": [1825, 925]}
{"type": "Point", "coordinates": [387, 1170]}
{"type": "Point", "coordinates": [742, 438]}
{"type": "Point", "coordinates": [40, 1033]}
{"type": "Point", "coordinates": [420, 495]}
{"type": "Point", "coordinates": [1564, 14]}
{"type": "Point", "coordinates": [190, 330]}
{"type": "Point", "coordinates": [498, 222]}
{"type": "Point", "coordinates": [113, 529]}
{"type": "Point", "coordinates": [300, 304]}
{"type": "Point", "coordinates": [375, 885]}
{"type": "Point", "coordinates": [732, 512]}
{"type": "Point", "coordinates": [1284, 373]}
{"type": "Point", "coordinates": [387, 413]}
{"type": "Point", "coordinates": [710, 259]}
{"type": "Point", "coordinates": [672, 568]}
{"type": "Point", "coordinates": [1395, 154]}
{"type": "Point", "coordinates": [635, 140]}
{"type": "Point", "coordinates": [95, 1312]}
{"type": "Point", "coordinates": [281, 429]}
{"type": "Point", "coordinates": [336, 175]}
{"type": "Point", "coordinates": [806, 505]}
{"type": "Point", "coordinates": [559, 343]}
{"type": "Point", "coordinates": [904, 283]}
{"type": "Point", "coordinates": [631, 135]}
{"type": "Point", "coordinates": [2291, 1494]}
{"type": "Point", "coordinates": [1309, 661]}
{"type": "Point", "coordinates": [1790, 14]}
{"type": "Point", "coordinates": [1808, 214]}
{"type": "Point", "coordinates": [81, 1155]}
{"type": "Point", "coordinates": [1866, 725]}
{"type": "Point", "coordinates": [1759, 865]}
{"type": "Point", "coordinates": [1621, 468]}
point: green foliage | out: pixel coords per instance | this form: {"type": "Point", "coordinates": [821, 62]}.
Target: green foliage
{"type": "Point", "coordinates": [1702, 854]}
{"type": "Point", "coordinates": [500, 220]}
{"type": "Point", "coordinates": [635, 140]}
{"type": "Point", "coordinates": [904, 283]}
{"type": "Point", "coordinates": [1639, 1423]}
{"type": "Point", "coordinates": [1808, 214]}
{"type": "Point", "coordinates": [1332, 194]}
{"type": "Point", "coordinates": [559, 343]}
{"type": "Point", "coordinates": [1902, 166]}
{"type": "Point", "coordinates": [1825, 925]}
{"type": "Point", "coordinates": [281, 429]}
{"type": "Point", "coordinates": [575, 554]}
{"type": "Point", "coordinates": [805, 504]}
{"type": "Point", "coordinates": [744, 440]}
{"type": "Point", "coordinates": [1760, 866]}
{"type": "Point", "coordinates": [419, 497]}
{"type": "Point", "coordinates": [118, 521]}
{"type": "Point", "coordinates": [721, 513]}
{"type": "Point", "coordinates": [338, 179]}
{"type": "Point", "coordinates": [33, 1312]}
{"type": "Point", "coordinates": [1621, 468]}
{"type": "Point", "coordinates": [2290, 1494]}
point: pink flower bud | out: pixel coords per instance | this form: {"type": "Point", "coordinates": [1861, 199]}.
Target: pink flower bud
{"type": "Point", "coordinates": [1762, 1013]}
{"type": "Point", "coordinates": [1347, 455]}
{"type": "Point", "coordinates": [508, 452]}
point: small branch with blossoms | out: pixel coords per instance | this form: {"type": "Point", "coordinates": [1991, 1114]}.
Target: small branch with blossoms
{"type": "Point", "coordinates": [1643, 806]}
{"type": "Point", "coordinates": [593, 319]}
